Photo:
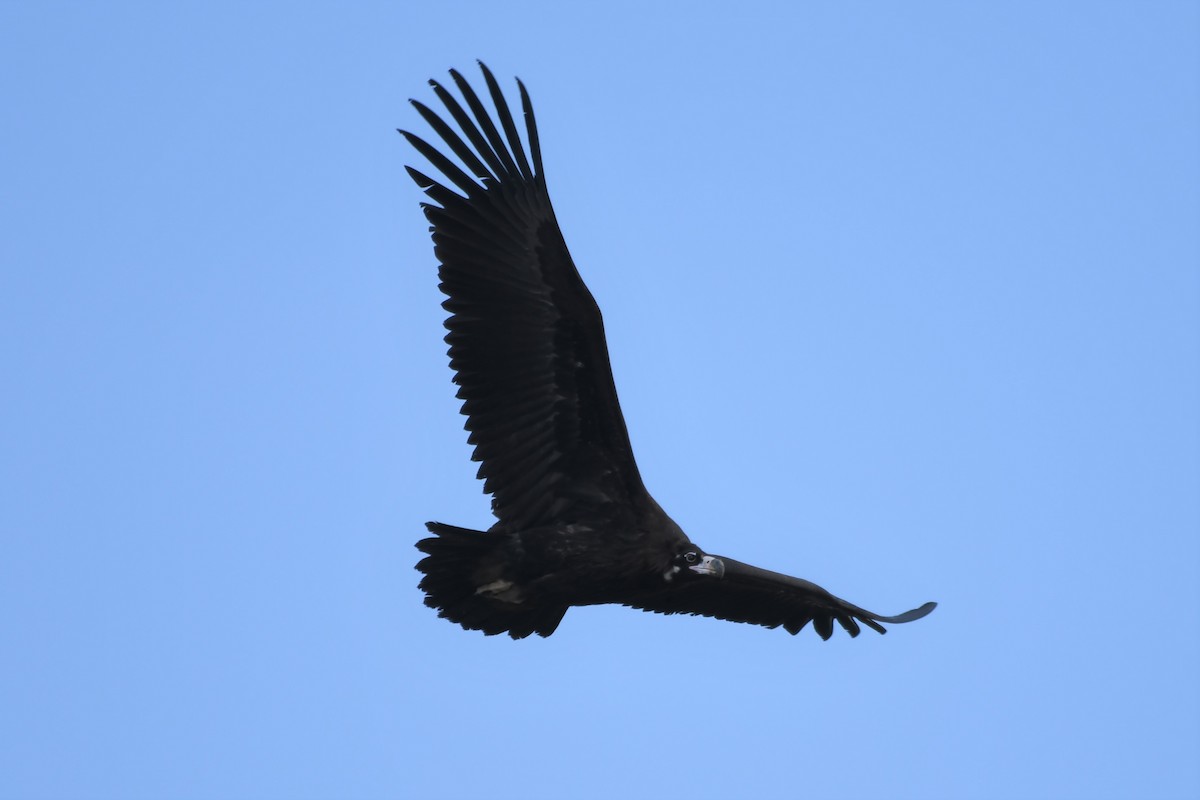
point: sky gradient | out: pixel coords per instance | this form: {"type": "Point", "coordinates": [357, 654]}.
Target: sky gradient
{"type": "Point", "coordinates": [901, 300]}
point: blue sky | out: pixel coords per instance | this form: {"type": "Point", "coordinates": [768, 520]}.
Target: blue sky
{"type": "Point", "coordinates": [901, 298]}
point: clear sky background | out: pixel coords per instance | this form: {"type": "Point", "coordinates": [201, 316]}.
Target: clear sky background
{"type": "Point", "coordinates": [901, 298]}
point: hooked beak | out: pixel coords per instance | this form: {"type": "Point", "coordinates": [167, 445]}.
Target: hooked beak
{"type": "Point", "coordinates": [709, 565]}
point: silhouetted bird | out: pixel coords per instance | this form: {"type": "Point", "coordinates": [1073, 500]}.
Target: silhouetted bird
{"type": "Point", "coordinates": [575, 526]}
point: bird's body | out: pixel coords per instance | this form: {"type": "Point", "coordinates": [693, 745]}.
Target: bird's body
{"type": "Point", "coordinates": [575, 525]}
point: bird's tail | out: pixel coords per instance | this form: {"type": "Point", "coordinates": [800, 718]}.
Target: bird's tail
{"type": "Point", "coordinates": [464, 580]}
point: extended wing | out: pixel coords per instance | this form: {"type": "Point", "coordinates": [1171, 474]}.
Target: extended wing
{"type": "Point", "coordinates": [526, 338]}
{"type": "Point", "coordinates": [761, 597]}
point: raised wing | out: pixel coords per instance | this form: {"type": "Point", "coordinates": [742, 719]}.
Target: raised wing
{"type": "Point", "coordinates": [761, 597]}
{"type": "Point", "coordinates": [526, 338]}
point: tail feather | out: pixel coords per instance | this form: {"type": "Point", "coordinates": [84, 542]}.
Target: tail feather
{"type": "Point", "coordinates": [456, 563]}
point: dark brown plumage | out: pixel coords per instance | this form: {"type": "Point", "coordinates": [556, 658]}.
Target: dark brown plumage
{"type": "Point", "coordinates": [575, 525]}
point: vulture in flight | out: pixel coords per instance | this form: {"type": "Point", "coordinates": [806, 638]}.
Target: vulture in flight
{"type": "Point", "coordinates": [574, 524]}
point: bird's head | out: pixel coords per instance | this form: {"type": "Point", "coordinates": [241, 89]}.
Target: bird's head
{"type": "Point", "coordinates": [692, 562]}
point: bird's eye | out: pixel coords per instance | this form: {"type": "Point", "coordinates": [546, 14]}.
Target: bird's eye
{"type": "Point", "coordinates": [690, 557]}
